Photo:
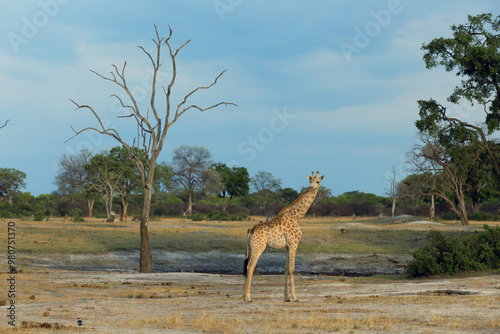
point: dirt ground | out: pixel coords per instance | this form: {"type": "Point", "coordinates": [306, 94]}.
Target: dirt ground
{"type": "Point", "coordinates": [113, 302]}
{"type": "Point", "coordinates": [53, 291]}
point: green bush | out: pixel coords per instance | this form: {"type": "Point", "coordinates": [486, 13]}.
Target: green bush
{"type": "Point", "coordinates": [219, 215]}
{"type": "Point", "coordinates": [198, 217]}
{"type": "Point", "coordinates": [483, 216]}
{"type": "Point", "coordinates": [77, 219]}
{"type": "Point", "coordinates": [224, 216]}
{"type": "Point", "coordinates": [449, 254]}
{"type": "Point", "coordinates": [38, 216]}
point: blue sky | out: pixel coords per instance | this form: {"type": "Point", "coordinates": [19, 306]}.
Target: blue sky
{"type": "Point", "coordinates": [327, 86]}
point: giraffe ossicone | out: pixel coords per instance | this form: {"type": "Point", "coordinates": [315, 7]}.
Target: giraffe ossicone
{"type": "Point", "coordinates": [281, 231]}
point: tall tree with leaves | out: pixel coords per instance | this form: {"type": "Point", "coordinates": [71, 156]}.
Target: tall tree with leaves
{"type": "Point", "coordinates": [130, 179]}
{"type": "Point", "coordinates": [192, 172]}
{"type": "Point", "coordinates": [72, 178]}
{"type": "Point", "coordinates": [105, 177]}
{"type": "Point", "coordinates": [474, 53]}
{"type": "Point", "coordinates": [151, 121]}
{"type": "Point", "coordinates": [265, 185]}
{"type": "Point", "coordinates": [234, 182]}
{"type": "Point", "coordinates": [11, 180]}
{"type": "Point", "coordinates": [446, 169]}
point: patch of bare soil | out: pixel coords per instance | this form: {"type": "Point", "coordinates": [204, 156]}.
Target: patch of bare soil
{"type": "Point", "coordinates": [113, 302]}
{"type": "Point", "coordinates": [217, 262]}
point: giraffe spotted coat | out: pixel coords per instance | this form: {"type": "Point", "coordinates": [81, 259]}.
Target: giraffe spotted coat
{"type": "Point", "coordinates": [279, 232]}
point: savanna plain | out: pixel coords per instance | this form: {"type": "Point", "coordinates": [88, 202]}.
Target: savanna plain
{"type": "Point", "coordinates": [350, 279]}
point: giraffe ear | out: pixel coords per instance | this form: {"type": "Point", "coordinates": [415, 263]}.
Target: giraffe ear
{"type": "Point", "coordinates": [309, 178]}
{"type": "Point", "coordinates": [321, 178]}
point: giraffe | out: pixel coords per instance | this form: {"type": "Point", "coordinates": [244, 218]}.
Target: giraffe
{"type": "Point", "coordinates": [281, 231]}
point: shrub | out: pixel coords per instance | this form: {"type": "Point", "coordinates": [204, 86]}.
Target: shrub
{"type": "Point", "coordinates": [223, 215]}
{"type": "Point", "coordinates": [196, 217]}
{"type": "Point", "coordinates": [38, 216]}
{"type": "Point", "coordinates": [77, 219]}
{"type": "Point", "coordinates": [483, 216]}
{"type": "Point", "coordinates": [449, 254]}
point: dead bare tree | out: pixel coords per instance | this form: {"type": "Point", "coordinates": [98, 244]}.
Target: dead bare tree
{"type": "Point", "coordinates": [392, 191]}
{"type": "Point", "coordinates": [152, 126]}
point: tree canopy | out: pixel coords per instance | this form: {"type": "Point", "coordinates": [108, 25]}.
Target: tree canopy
{"type": "Point", "coordinates": [11, 180]}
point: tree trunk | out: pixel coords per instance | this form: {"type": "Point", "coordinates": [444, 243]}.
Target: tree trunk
{"type": "Point", "coordinates": [90, 206]}
{"type": "Point", "coordinates": [109, 206]}
{"type": "Point", "coordinates": [432, 209]}
{"type": "Point", "coordinates": [393, 206]}
{"type": "Point", "coordinates": [190, 203]}
{"type": "Point", "coordinates": [224, 203]}
{"type": "Point", "coordinates": [475, 206]}
{"type": "Point", "coordinates": [124, 208]}
{"type": "Point", "coordinates": [145, 255]}
{"type": "Point", "coordinates": [463, 211]}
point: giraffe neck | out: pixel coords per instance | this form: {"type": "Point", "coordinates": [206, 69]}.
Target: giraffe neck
{"type": "Point", "coordinates": [299, 208]}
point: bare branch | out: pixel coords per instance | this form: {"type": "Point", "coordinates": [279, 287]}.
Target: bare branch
{"type": "Point", "coordinates": [479, 130]}
{"type": "Point", "coordinates": [3, 126]}
{"type": "Point", "coordinates": [197, 89]}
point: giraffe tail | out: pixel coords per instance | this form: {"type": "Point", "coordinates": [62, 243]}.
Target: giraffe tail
{"type": "Point", "coordinates": [245, 265]}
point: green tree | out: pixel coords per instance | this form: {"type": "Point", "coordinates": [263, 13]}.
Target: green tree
{"type": "Point", "coordinates": [265, 186]}
{"type": "Point", "coordinates": [11, 180]}
{"type": "Point", "coordinates": [104, 177]}
{"type": "Point", "coordinates": [192, 172]}
{"type": "Point", "coordinates": [446, 169]}
{"type": "Point", "coordinates": [474, 53]}
{"type": "Point", "coordinates": [289, 195]}
{"type": "Point", "coordinates": [130, 179]}
{"type": "Point", "coordinates": [234, 182]}
{"type": "Point", "coordinates": [71, 178]}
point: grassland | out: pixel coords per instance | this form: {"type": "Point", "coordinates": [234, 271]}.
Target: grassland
{"type": "Point", "coordinates": [114, 302]}
{"type": "Point", "coordinates": [320, 235]}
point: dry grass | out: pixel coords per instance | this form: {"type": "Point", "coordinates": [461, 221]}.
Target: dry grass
{"type": "Point", "coordinates": [117, 303]}
{"type": "Point", "coordinates": [132, 303]}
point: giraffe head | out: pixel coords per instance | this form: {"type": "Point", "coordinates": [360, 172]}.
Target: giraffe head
{"type": "Point", "coordinates": [315, 180]}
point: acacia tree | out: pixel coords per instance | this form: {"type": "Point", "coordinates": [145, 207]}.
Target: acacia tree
{"type": "Point", "coordinates": [411, 191]}
{"type": "Point", "coordinates": [129, 180]}
{"type": "Point", "coordinates": [474, 53]}
{"type": "Point", "coordinates": [234, 182]}
{"type": "Point", "coordinates": [152, 124]}
{"type": "Point", "coordinates": [264, 185]}
{"type": "Point", "coordinates": [105, 177]}
{"type": "Point", "coordinates": [445, 169]}
{"type": "Point", "coordinates": [192, 172]}
{"type": "Point", "coordinates": [71, 178]}
{"type": "Point", "coordinates": [11, 180]}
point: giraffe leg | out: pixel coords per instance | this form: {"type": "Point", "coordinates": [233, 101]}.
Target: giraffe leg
{"type": "Point", "coordinates": [254, 257]}
{"type": "Point", "coordinates": [287, 271]}
{"type": "Point", "coordinates": [292, 278]}
{"type": "Point", "coordinates": [291, 270]}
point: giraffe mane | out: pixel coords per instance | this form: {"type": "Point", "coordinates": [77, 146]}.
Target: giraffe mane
{"type": "Point", "coordinates": [295, 202]}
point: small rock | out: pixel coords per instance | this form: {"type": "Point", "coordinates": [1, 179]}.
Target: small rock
{"type": "Point", "coordinates": [32, 297]}
{"type": "Point", "coordinates": [46, 313]}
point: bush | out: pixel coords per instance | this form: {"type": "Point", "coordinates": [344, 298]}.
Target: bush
{"type": "Point", "coordinates": [223, 215]}
{"type": "Point", "coordinates": [77, 219]}
{"type": "Point", "coordinates": [196, 217]}
{"type": "Point", "coordinates": [483, 216]}
{"type": "Point", "coordinates": [449, 254]}
{"type": "Point", "coordinates": [38, 216]}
